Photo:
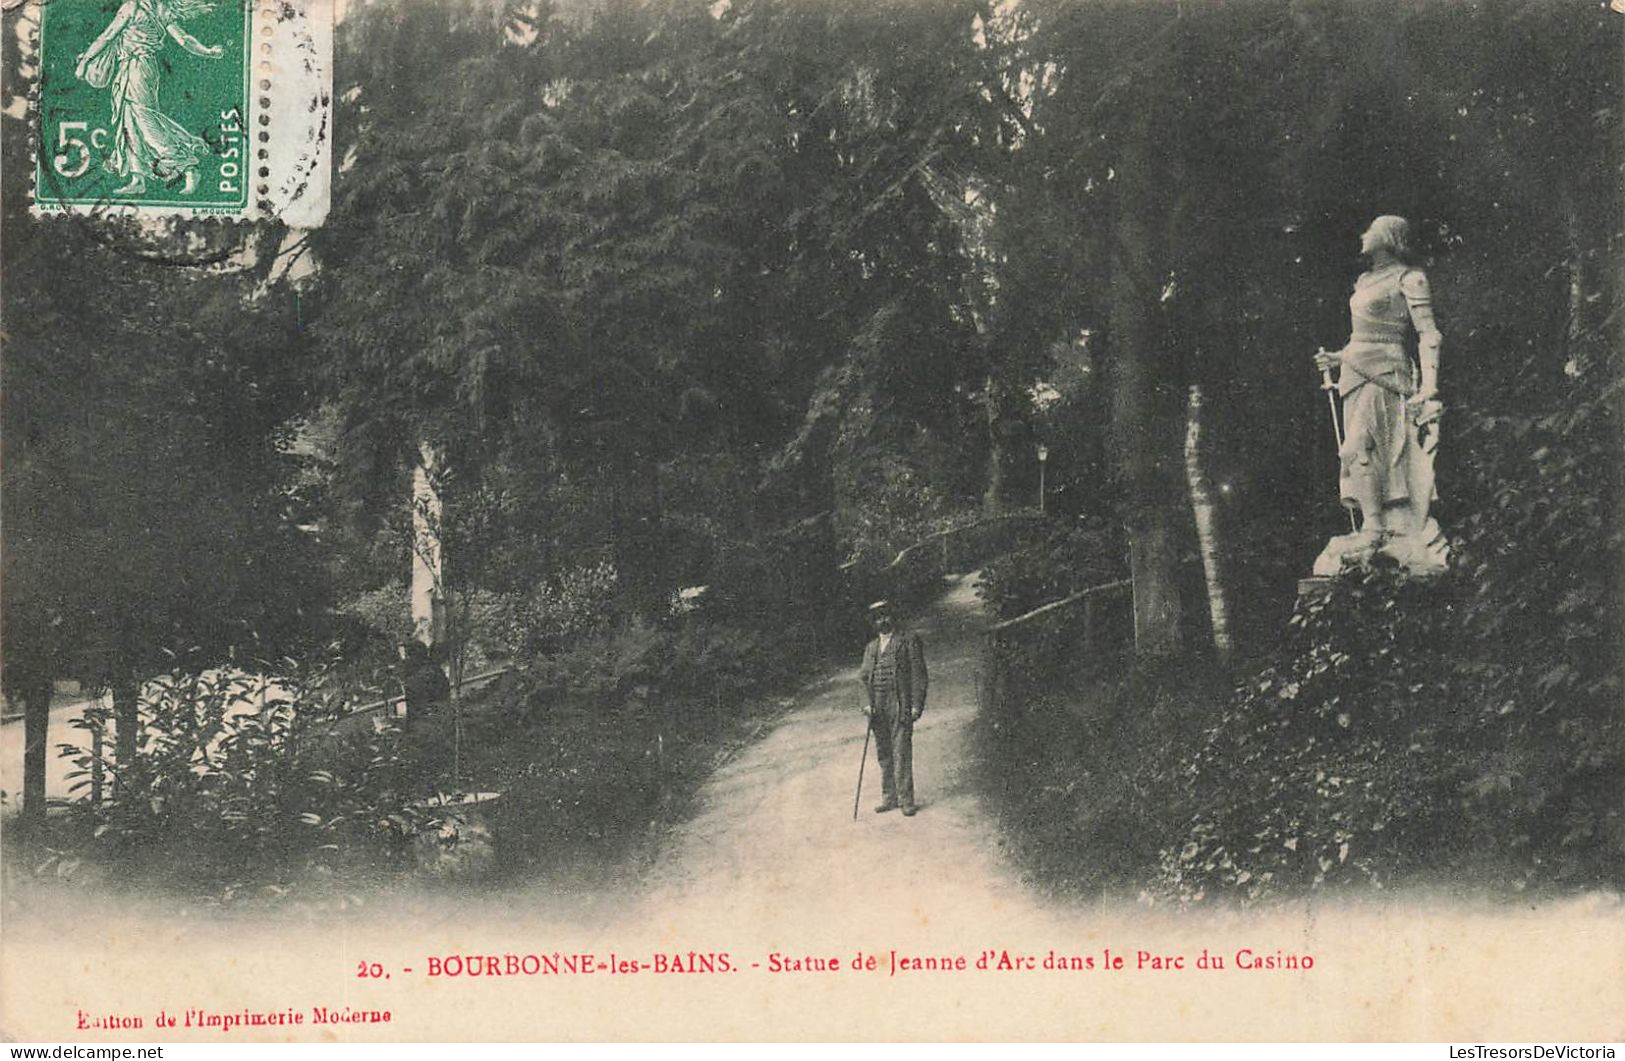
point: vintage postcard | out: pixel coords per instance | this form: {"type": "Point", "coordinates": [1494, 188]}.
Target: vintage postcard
{"type": "Point", "coordinates": [928, 520]}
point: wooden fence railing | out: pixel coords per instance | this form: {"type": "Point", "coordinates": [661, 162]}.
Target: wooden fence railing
{"type": "Point", "coordinates": [472, 679]}
{"type": "Point", "coordinates": [352, 719]}
{"type": "Point", "coordinates": [1057, 646]}
{"type": "Point", "coordinates": [915, 573]}
{"type": "Point", "coordinates": [387, 706]}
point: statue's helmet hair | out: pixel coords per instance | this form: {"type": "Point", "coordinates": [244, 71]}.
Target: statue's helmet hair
{"type": "Point", "coordinates": [1394, 233]}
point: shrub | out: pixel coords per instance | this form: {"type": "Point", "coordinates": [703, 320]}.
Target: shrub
{"type": "Point", "coordinates": [242, 786]}
{"type": "Point", "coordinates": [1391, 742]}
{"type": "Point", "coordinates": [1087, 553]}
{"type": "Point", "coordinates": [593, 745]}
{"type": "Point", "coordinates": [888, 500]}
{"type": "Point", "coordinates": [1338, 763]}
{"type": "Point", "coordinates": [1075, 777]}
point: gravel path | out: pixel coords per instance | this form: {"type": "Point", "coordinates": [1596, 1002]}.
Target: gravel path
{"type": "Point", "coordinates": [774, 832]}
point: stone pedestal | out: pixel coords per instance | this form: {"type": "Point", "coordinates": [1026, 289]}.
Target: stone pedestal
{"type": "Point", "coordinates": [1422, 553]}
{"type": "Point", "coordinates": [1313, 587]}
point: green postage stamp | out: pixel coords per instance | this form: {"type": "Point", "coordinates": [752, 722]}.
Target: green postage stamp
{"type": "Point", "coordinates": [184, 108]}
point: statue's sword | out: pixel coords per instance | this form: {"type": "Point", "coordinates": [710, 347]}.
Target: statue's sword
{"type": "Point", "coordinates": [1330, 388]}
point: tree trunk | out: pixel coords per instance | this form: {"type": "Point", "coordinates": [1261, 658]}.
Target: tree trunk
{"type": "Point", "coordinates": [127, 720]}
{"type": "Point", "coordinates": [428, 568]}
{"type": "Point", "coordinates": [1154, 568]}
{"type": "Point", "coordinates": [993, 496]}
{"type": "Point", "coordinates": [35, 694]}
{"type": "Point", "coordinates": [1145, 437]}
{"type": "Point", "coordinates": [1207, 523]}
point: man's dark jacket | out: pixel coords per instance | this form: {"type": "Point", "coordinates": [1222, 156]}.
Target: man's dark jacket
{"type": "Point", "coordinates": [910, 683]}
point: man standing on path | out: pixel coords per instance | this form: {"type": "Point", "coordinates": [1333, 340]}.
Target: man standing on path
{"type": "Point", "coordinates": [429, 729]}
{"type": "Point", "coordinates": [893, 676]}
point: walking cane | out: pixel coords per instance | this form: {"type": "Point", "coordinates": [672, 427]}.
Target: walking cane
{"type": "Point", "coordinates": [857, 797]}
{"type": "Point", "coordinates": [1330, 388]}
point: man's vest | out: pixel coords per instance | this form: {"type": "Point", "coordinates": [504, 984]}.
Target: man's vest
{"type": "Point", "coordinates": [893, 673]}
{"type": "Point", "coordinates": [884, 679]}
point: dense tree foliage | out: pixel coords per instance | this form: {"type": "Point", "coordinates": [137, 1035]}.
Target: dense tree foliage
{"type": "Point", "coordinates": [650, 271]}
{"type": "Point", "coordinates": [151, 498]}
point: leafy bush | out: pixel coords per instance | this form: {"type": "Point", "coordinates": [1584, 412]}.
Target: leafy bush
{"type": "Point", "coordinates": [889, 500]}
{"type": "Point", "coordinates": [1087, 553]}
{"type": "Point", "coordinates": [576, 601]}
{"type": "Point", "coordinates": [682, 660]}
{"type": "Point", "coordinates": [242, 787]}
{"type": "Point", "coordinates": [385, 611]}
{"type": "Point", "coordinates": [1347, 760]}
{"type": "Point", "coordinates": [601, 668]}
{"type": "Point", "coordinates": [575, 774]}
{"type": "Point", "coordinates": [592, 745]}
{"type": "Point", "coordinates": [1076, 778]}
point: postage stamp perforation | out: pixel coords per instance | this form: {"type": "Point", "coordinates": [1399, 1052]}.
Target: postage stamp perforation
{"type": "Point", "coordinates": [29, 44]}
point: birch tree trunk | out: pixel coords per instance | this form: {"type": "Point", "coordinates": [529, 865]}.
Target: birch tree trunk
{"type": "Point", "coordinates": [428, 570]}
{"type": "Point", "coordinates": [1207, 531]}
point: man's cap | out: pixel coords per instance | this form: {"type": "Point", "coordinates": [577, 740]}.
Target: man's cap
{"type": "Point", "coordinates": [880, 606]}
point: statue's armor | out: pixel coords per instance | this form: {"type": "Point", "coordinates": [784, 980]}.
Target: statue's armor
{"type": "Point", "coordinates": [1380, 446]}
{"type": "Point", "coordinates": [1386, 304]}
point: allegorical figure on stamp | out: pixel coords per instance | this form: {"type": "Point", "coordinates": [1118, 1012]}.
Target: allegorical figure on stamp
{"type": "Point", "coordinates": [126, 59]}
{"type": "Point", "coordinates": [894, 683]}
{"type": "Point", "coordinates": [1391, 410]}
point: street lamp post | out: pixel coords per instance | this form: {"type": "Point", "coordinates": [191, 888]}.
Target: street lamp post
{"type": "Point", "coordinates": [1043, 456]}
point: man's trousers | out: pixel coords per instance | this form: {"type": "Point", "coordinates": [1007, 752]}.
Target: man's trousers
{"type": "Point", "coordinates": [894, 745]}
